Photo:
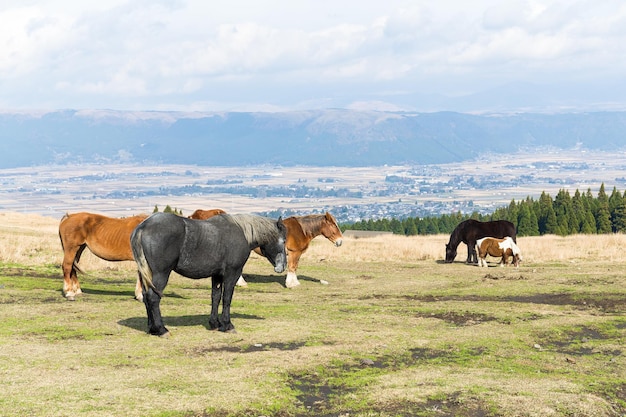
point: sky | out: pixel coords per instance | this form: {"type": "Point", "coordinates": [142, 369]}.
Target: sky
{"type": "Point", "coordinates": [275, 55]}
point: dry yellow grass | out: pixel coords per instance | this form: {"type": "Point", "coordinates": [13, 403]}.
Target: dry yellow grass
{"type": "Point", "coordinates": [33, 240]}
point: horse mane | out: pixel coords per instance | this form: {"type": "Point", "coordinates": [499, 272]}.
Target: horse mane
{"type": "Point", "coordinates": [310, 223]}
{"type": "Point", "coordinates": [256, 229]}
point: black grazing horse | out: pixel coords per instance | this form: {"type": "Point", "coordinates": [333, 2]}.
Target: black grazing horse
{"type": "Point", "coordinates": [469, 231]}
{"type": "Point", "coordinates": [218, 248]}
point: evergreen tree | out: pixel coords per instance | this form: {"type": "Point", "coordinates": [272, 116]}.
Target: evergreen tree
{"type": "Point", "coordinates": [603, 216]}
{"type": "Point", "coordinates": [618, 215]}
{"type": "Point", "coordinates": [156, 209]}
{"type": "Point", "coordinates": [513, 213]}
{"type": "Point", "coordinates": [409, 227]}
{"type": "Point", "coordinates": [562, 209]}
{"type": "Point", "coordinates": [617, 211]}
{"type": "Point", "coordinates": [431, 228]}
{"type": "Point", "coordinates": [590, 210]}
{"type": "Point", "coordinates": [527, 221]}
{"type": "Point", "coordinates": [578, 212]}
{"type": "Point", "coordinates": [546, 220]}
{"type": "Point", "coordinates": [615, 200]}
{"type": "Point", "coordinates": [396, 227]}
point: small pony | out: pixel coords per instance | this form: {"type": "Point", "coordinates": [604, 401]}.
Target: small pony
{"type": "Point", "coordinates": [504, 248]}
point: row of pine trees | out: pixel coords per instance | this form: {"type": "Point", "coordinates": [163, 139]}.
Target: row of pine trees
{"type": "Point", "coordinates": [563, 215]}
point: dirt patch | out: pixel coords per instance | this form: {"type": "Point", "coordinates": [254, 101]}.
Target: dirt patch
{"type": "Point", "coordinates": [459, 318]}
{"type": "Point", "coordinates": [576, 342]}
{"type": "Point", "coordinates": [602, 301]}
{"type": "Point", "coordinates": [504, 277]}
{"type": "Point", "coordinates": [257, 347]}
{"type": "Point", "coordinates": [25, 272]}
{"type": "Point", "coordinates": [320, 392]}
{"type": "Point", "coordinates": [615, 394]}
{"type": "Point", "coordinates": [365, 277]}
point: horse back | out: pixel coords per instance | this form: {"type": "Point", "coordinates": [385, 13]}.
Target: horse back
{"type": "Point", "coordinates": [188, 246]}
{"type": "Point", "coordinates": [107, 237]}
{"type": "Point", "coordinates": [205, 214]}
{"type": "Point", "coordinates": [497, 228]}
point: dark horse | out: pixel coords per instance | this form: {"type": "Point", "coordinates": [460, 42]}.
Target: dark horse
{"type": "Point", "coordinates": [218, 248]}
{"type": "Point", "coordinates": [469, 231]}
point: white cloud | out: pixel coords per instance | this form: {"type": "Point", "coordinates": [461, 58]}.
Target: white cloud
{"type": "Point", "coordinates": [150, 54]}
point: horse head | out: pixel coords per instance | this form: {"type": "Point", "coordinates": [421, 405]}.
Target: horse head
{"type": "Point", "coordinates": [331, 230]}
{"type": "Point", "coordinates": [450, 253]}
{"type": "Point", "coordinates": [274, 250]}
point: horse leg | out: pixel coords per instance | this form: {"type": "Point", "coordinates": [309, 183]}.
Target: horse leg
{"type": "Point", "coordinates": [217, 286]}
{"type": "Point", "coordinates": [227, 296]}
{"type": "Point", "coordinates": [71, 287]}
{"type": "Point", "coordinates": [292, 265]}
{"type": "Point", "coordinates": [152, 301]}
{"type": "Point", "coordinates": [471, 253]}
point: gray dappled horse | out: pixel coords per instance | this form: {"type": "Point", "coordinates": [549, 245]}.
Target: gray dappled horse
{"type": "Point", "coordinates": [218, 248]}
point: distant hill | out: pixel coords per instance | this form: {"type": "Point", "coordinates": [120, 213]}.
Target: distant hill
{"type": "Point", "coordinates": [317, 137]}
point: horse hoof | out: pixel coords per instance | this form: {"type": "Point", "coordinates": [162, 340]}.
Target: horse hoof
{"type": "Point", "coordinates": [165, 335]}
{"type": "Point", "coordinates": [70, 298]}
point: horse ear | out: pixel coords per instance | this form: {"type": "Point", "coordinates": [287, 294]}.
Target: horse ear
{"type": "Point", "coordinates": [281, 224]}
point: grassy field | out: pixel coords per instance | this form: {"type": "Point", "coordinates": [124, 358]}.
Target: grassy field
{"type": "Point", "coordinates": [396, 332]}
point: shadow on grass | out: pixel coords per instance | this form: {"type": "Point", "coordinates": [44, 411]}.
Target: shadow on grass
{"type": "Point", "coordinates": [123, 293]}
{"type": "Point", "coordinates": [276, 279]}
{"type": "Point", "coordinates": [455, 262]}
{"type": "Point", "coordinates": [141, 323]}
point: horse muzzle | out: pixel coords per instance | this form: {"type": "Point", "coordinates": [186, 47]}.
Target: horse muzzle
{"type": "Point", "coordinates": [338, 242]}
{"type": "Point", "coordinates": [280, 263]}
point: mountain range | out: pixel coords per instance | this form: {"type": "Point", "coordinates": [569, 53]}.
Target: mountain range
{"type": "Point", "coordinates": [332, 137]}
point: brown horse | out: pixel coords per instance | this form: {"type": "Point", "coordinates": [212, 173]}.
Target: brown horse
{"type": "Point", "coordinates": [300, 231]}
{"type": "Point", "coordinates": [496, 247]}
{"type": "Point", "coordinates": [107, 238]}
{"type": "Point", "coordinates": [205, 214]}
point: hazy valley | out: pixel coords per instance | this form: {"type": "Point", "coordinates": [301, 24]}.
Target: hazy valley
{"type": "Point", "coordinates": [351, 193]}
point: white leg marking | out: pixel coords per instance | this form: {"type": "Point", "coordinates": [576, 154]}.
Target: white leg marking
{"type": "Point", "coordinates": [292, 280]}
